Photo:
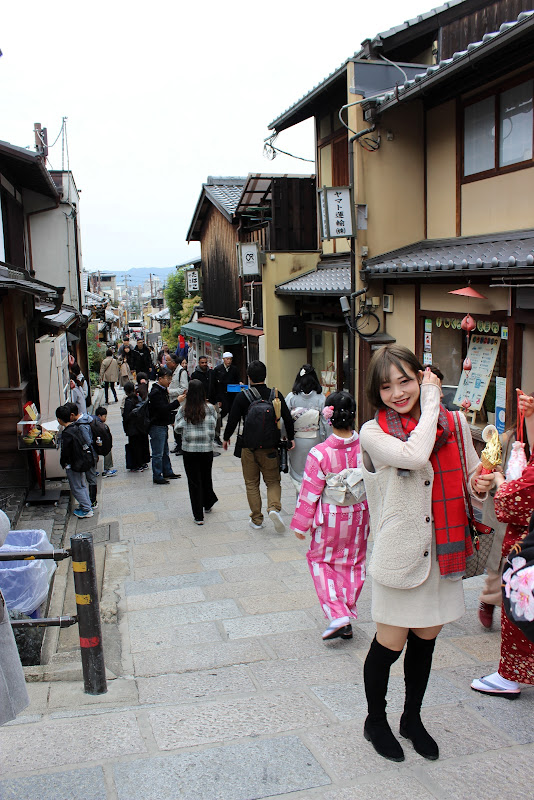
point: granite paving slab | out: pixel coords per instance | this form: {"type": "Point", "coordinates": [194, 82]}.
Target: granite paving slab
{"type": "Point", "coordinates": [69, 740]}
{"type": "Point", "coordinates": [222, 721]}
{"type": "Point", "coordinates": [264, 624]}
{"type": "Point", "coordinates": [205, 683]}
{"type": "Point", "coordinates": [484, 647]}
{"type": "Point", "coordinates": [285, 601]}
{"type": "Point", "coordinates": [309, 644]}
{"type": "Point", "coordinates": [403, 787]}
{"type": "Point", "coordinates": [168, 583]}
{"type": "Point", "coordinates": [76, 784]}
{"type": "Point", "coordinates": [479, 778]}
{"type": "Point", "coordinates": [304, 672]}
{"type": "Point", "coordinates": [348, 700]}
{"type": "Point", "coordinates": [245, 560]}
{"type": "Point", "coordinates": [513, 717]}
{"type": "Point", "coordinates": [191, 594]}
{"type": "Point", "coordinates": [146, 637]}
{"type": "Point", "coordinates": [234, 591]}
{"type": "Point", "coordinates": [209, 655]}
{"type": "Point", "coordinates": [246, 771]}
{"type": "Point", "coordinates": [268, 571]}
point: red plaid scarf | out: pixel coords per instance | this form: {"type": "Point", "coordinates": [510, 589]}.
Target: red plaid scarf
{"type": "Point", "coordinates": [453, 542]}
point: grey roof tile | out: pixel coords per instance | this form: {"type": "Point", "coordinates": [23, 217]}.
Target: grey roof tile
{"type": "Point", "coordinates": [514, 250]}
{"type": "Point", "coordinates": [325, 280]}
{"type": "Point", "coordinates": [434, 70]}
{"type": "Point", "coordinates": [226, 194]}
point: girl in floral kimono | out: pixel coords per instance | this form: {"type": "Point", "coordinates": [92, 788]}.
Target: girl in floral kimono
{"type": "Point", "coordinates": [331, 506]}
{"type": "Point", "coordinates": [514, 504]}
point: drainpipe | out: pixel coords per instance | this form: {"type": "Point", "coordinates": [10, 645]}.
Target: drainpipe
{"type": "Point", "coordinates": [352, 335]}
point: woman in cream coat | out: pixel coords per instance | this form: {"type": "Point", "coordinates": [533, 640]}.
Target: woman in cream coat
{"type": "Point", "coordinates": [13, 694]}
{"type": "Point", "coordinates": [413, 480]}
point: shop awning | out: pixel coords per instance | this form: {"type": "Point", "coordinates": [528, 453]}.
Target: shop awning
{"type": "Point", "coordinates": [210, 333]}
{"type": "Point", "coordinates": [249, 331]}
{"type": "Point", "coordinates": [510, 254]}
{"type": "Point", "coordinates": [64, 318]}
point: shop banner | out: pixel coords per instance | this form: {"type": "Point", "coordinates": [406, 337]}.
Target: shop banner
{"type": "Point", "coordinates": [474, 384]}
{"type": "Point", "coordinates": [500, 404]}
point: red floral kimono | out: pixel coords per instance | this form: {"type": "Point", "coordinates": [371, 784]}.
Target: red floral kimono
{"type": "Point", "coordinates": [514, 504]}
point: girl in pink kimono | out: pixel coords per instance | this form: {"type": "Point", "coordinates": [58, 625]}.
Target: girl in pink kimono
{"type": "Point", "coordinates": [332, 506]}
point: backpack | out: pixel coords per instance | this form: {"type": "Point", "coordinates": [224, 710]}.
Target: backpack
{"type": "Point", "coordinates": [261, 430]}
{"type": "Point", "coordinates": [139, 419]}
{"type": "Point", "coordinates": [82, 452]}
{"type": "Point", "coordinates": [102, 438]}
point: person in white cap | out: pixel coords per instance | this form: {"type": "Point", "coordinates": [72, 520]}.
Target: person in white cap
{"type": "Point", "coordinates": [224, 374]}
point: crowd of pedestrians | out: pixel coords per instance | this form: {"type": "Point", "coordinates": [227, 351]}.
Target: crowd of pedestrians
{"type": "Point", "coordinates": [403, 479]}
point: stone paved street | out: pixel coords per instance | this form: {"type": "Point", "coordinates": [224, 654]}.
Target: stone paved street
{"type": "Point", "coordinates": [221, 687]}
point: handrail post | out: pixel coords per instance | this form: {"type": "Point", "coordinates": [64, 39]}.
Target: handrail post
{"type": "Point", "coordinates": [89, 627]}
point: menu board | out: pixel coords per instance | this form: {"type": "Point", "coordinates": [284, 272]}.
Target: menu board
{"type": "Point", "coordinates": [473, 385]}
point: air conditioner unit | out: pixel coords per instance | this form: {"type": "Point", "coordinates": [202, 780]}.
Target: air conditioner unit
{"type": "Point", "coordinates": [387, 303]}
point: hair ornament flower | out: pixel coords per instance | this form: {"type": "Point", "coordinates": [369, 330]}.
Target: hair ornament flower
{"type": "Point", "coordinates": [327, 413]}
{"type": "Point", "coordinates": [302, 373]}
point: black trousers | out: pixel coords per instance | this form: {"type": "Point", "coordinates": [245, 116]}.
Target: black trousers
{"type": "Point", "coordinates": [198, 470]}
{"type": "Point", "coordinates": [107, 386]}
{"type": "Point", "coordinates": [138, 451]}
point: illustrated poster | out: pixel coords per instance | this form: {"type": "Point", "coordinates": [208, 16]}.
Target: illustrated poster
{"type": "Point", "coordinates": [473, 385]}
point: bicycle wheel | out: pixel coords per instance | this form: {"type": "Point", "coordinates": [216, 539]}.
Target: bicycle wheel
{"type": "Point", "coordinates": [367, 323]}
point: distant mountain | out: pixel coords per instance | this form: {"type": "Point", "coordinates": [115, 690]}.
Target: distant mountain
{"type": "Point", "coordinates": [138, 275]}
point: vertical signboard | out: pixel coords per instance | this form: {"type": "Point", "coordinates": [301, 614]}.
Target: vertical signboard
{"type": "Point", "coordinates": [336, 212]}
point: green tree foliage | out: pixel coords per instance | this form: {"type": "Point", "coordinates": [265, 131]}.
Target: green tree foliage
{"type": "Point", "coordinates": [96, 352]}
{"type": "Point", "coordinates": [172, 333]}
{"type": "Point", "coordinates": [175, 293]}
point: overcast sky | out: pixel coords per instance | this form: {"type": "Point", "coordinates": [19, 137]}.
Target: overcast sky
{"type": "Point", "coordinates": [160, 95]}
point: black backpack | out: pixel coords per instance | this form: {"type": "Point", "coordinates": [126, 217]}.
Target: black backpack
{"type": "Point", "coordinates": [260, 430]}
{"type": "Point", "coordinates": [102, 438]}
{"type": "Point", "coordinates": [82, 453]}
{"type": "Point", "coordinates": [139, 419]}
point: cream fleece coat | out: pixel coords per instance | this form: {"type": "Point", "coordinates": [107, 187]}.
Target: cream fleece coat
{"type": "Point", "coordinates": [400, 504]}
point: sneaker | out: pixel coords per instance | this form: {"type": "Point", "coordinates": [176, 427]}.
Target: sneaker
{"type": "Point", "coordinates": [217, 441]}
{"type": "Point", "coordinates": [278, 522]}
{"type": "Point", "coordinates": [256, 527]}
{"type": "Point", "coordinates": [94, 504]}
{"type": "Point", "coordinates": [109, 473]}
{"type": "Point", "coordinates": [216, 453]}
{"type": "Point", "coordinates": [142, 469]}
{"type": "Point", "coordinates": [81, 514]}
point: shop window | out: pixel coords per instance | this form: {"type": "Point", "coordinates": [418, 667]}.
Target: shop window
{"type": "Point", "coordinates": [328, 354]}
{"type": "Point", "coordinates": [498, 131]}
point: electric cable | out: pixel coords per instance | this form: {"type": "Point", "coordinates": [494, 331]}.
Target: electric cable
{"type": "Point", "coordinates": [270, 151]}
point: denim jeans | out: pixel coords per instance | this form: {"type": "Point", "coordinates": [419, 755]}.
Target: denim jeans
{"type": "Point", "coordinates": [159, 444]}
{"type": "Point", "coordinates": [79, 488]}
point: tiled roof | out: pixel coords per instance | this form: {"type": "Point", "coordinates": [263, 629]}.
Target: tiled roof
{"type": "Point", "coordinates": [328, 279]}
{"type": "Point", "coordinates": [225, 195]}
{"type": "Point", "coordinates": [504, 253]}
{"type": "Point", "coordinates": [459, 58]}
{"type": "Point", "coordinates": [419, 18]}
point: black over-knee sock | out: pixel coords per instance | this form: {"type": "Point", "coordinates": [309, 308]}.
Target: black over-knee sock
{"type": "Point", "coordinates": [376, 677]}
{"type": "Point", "coordinates": [417, 665]}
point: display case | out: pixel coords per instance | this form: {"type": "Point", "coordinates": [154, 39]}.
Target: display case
{"type": "Point", "coordinates": [33, 434]}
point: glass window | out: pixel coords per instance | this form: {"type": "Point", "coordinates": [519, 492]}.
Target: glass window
{"type": "Point", "coordinates": [479, 136]}
{"type": "Point", "coordinates": [324, 358]}
{"type": "Point", "coordinates": [515, 143]}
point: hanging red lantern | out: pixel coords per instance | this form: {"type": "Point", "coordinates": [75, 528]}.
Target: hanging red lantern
{"type": "Point", "coordinates": [468, 324]}
{"type": "Point", "coordinates": [467, 366]}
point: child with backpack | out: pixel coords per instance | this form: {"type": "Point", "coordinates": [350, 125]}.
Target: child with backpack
{"type": "Point", "coordinates": [103, 441]}
{"type": "Point", "coordinates": [76, 457]}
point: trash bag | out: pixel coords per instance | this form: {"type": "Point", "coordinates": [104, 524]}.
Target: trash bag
{"type": "Point", "coordinates": [24, 584]}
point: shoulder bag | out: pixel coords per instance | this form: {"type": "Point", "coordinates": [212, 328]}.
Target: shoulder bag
{"type": "Point", "coordinates": [481, 535]}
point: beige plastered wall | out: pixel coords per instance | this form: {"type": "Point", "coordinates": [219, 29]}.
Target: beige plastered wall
{"type": "Point", "coordinates": [282, 365]}
{"type": "Point", "coordinates": [437, 298]}
{"type": "Point", "coordinates": [502, 203]}
{"type": "Point", "coordinates": [441, 171]}
{"type": "Point", "coordinates": [401, 323]}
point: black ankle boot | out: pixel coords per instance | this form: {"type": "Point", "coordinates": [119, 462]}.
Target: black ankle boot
{"type": "Point", "coordinates": [376, 676]}
{"type": "Point", "coordinates": [417, 665]}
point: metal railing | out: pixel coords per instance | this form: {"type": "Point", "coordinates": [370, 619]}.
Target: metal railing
{"type": "Point", "coordinates": [88, 617]}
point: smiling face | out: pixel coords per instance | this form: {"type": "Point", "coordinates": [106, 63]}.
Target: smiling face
{"type": "Point", "coordinates": [401, 392]}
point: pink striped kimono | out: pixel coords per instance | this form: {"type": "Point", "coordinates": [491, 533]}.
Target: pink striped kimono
{"type": "Point", "coordinates": [339, 535]}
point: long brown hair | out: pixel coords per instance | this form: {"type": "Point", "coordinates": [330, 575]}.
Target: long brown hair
{"type": "Point", "coordinates": [195, 402]}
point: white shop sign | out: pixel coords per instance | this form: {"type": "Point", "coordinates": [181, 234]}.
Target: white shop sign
{"type": "Point", "coordinates": [193, 282]}
{"type": "Point", "coordinates": [336, 212]}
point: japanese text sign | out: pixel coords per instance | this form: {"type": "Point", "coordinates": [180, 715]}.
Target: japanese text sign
{"type": "Point", "coordinates": [336, 212]}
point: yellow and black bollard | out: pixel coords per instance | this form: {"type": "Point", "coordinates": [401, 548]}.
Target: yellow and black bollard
{"type": "Point", "coordinates": [89, 627]}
